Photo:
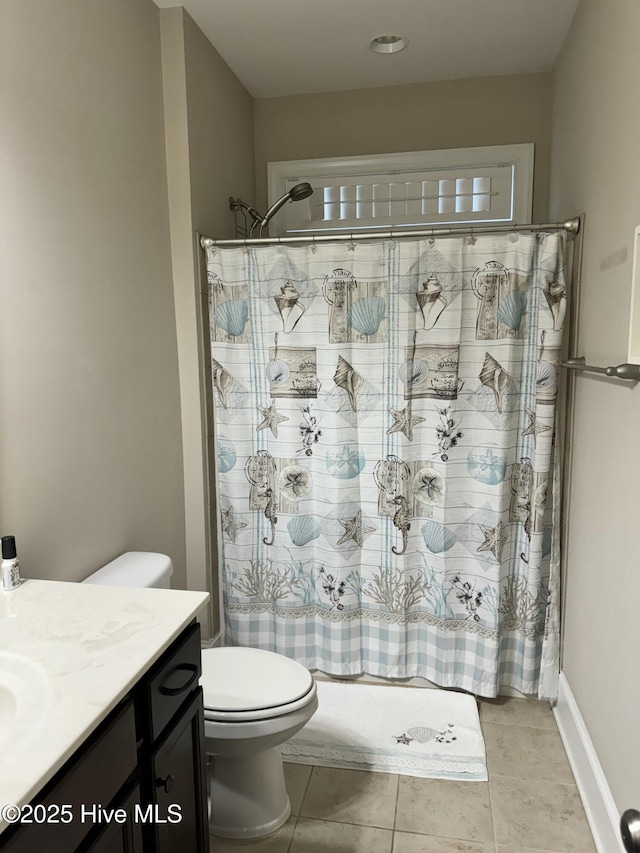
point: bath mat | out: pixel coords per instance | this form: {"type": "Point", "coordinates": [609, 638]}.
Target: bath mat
{"type": "Point", "coordinates": [413, 731]}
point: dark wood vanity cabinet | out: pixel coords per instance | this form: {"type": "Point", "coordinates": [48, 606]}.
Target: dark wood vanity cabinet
{"type": "Point", "coordinates": [137, 785]}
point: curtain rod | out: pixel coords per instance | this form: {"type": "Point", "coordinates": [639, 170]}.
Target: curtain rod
{"type": "Point", "coordinates": [571, 226]}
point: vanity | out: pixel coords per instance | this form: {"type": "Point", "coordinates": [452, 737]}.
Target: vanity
{"type": "Point", "coordinates": [101, 720]}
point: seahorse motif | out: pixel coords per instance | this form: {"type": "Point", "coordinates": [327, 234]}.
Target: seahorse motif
{"type": "Point", "coordinates": [270, 513]}
{"type": "Point", "coordinates": [401, 521]}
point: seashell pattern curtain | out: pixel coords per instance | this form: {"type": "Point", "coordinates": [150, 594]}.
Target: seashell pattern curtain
{"type": "Point", "coordinates": [384, 419]}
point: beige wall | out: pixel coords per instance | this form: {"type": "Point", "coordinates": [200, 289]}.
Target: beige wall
{"type": "Point", "coordinates": [596, 170]}
{"type": "Point", "coordinates": [416, 117]}
{"type": "Point", "coordinates": [209, 135]}
{"type": "Point", "coordinates": [89, 400]}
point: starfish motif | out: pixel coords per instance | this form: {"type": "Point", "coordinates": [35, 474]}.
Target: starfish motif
{"type": "Point", "coordinates": [493, 540]}
{"type": "Point", "coordinates": [229, 524]}
{"type": "Point", "coordinates": [271, 418]}
{"type": "Point", "coordinates": [534, 426]}
{"type": "Point", "coordinates": [404, 421]}
{"type": "Point", "coordinates": [351, 246]}
{"type": "Point", "coordinates": [353, 529]}
{"type": "Point", "coordinates": [471, 240]}
{"type": "Point", "coordinates": [403, 739]}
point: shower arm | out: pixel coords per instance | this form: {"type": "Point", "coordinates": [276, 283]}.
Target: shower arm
{"type": "Point", "coordinates": [275, 207]}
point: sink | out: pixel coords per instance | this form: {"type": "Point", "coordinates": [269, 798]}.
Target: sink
{"type": "Point", "coordinates": [25, 696]}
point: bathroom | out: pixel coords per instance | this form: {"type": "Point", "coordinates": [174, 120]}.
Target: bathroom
{"type": "Point", "coordinates": [125, 135]}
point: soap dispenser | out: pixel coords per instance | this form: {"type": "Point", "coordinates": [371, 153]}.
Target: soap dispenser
{"type": "Point", "coordinates": [10, 564]}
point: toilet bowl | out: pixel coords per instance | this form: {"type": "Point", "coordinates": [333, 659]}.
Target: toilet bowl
{"type": "Point", "coordinates": [254, 700]}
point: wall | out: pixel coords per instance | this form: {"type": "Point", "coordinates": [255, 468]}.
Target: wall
{"type": "Point", "coordinates": [209, 137]}
{"type": "Point", "coordinates": [416, 117]}
{"type": "Point", "coordinates": [90, 414]}
{"type": "Point", "coordinates": [596, 170]}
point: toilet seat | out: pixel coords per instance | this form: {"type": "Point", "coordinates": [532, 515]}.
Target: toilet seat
{"type": "Point", "coordinates": [243, 684]}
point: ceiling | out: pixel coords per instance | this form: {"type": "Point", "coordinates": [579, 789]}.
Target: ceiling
{"type": "Point", "coordinates": [286, 47]}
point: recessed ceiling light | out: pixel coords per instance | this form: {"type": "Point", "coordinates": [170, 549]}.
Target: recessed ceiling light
{"type": "Point", "coordinates": [388, 43]}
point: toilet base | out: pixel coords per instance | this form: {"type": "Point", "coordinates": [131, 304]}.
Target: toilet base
{"type": "Point", "coordinates": [247, 794]}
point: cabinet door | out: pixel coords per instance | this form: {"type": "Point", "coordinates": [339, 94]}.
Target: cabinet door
{"type": "Point", "coordinates": [121, 837]}
{"type": "Point", "coordinates": [180, 786]}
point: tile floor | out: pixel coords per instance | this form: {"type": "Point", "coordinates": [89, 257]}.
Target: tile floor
{"type": "Point", "coordinates": [529, 805]}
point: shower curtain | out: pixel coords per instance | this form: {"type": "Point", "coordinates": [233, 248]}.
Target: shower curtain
{"type": "Point", "coordinates": [387, 484]}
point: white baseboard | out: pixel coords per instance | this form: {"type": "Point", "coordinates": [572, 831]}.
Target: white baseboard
{"type": "Point", "coordinates": [212, 642]}
{"type": "Point", "coordinates": [595, 793]}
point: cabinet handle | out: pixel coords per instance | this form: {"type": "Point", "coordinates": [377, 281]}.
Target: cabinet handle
{"type": "Point", "coordinates": [167, 783]}
{"type": "Point", "coordinates": [176, 691]}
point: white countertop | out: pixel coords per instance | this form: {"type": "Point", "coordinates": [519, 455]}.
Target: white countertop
{"type": "Point", "coordinates": [69, 652]}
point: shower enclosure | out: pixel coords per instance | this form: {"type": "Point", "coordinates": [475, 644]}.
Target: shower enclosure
{"type": "Point", "coordinates": [387, 481]}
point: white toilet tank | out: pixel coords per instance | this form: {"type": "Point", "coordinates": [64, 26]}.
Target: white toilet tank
{"type": "Point", "coordinates": [135, 568]}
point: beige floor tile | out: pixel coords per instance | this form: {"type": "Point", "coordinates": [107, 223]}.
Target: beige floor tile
{"type": "Point", "coordinates": [408, 842]}
{"type": "Point", "coordinates": [509, 711]}
{"type": "Point", "coordinates": [540, 815]}
{"type": "Point", "coordinates": [442, 808]}
{"type": "Point", "coordinates": [296, 778]}
{"type": "Point", "coordinates": [510, 849]}
{"type": "Point", "coordinates": [320, 836]}
{"type": "Point", "coordinates": [351, 796]}
{"type": "Point", "coordinates": [526, 753]}
{"type": "Point", "coordinates": [277, 843]}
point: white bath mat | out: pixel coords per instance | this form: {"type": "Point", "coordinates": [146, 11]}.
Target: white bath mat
{"type": "Point", "coordinates": [408, 730]}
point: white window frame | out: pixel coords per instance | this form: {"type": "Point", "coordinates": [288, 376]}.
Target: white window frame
{"type": "Point", "coordinates": [282, 175]}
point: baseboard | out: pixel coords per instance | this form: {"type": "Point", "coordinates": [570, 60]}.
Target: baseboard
{"type": "Point", "coordinates": [212, 642]}
{"type": "Point", "coordinates": [595, 793]}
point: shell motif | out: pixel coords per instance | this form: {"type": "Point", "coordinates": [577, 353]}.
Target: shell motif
{"type": "Point", "coordinates": [345, 460]}
{"type": "Point", "coordinates": [413, 372]}
{"type": "Point", "coordinates": [222, 381]}
{"type": "Point", "coordinates": [429, 486]}
{"type": "Point", "coordinates": [494, 376]}
{"type": "Point", "coordinates": [349, 379]}
{"type": "Point", "coordinates": [423, 734]}
{"type": "Point", "coordinates": [295, 482]}
{"type": "Point", "coordinates": [437, 537]}
{"type": "Point", "coordinates": [365, 315]}
{"type": "Point", "coordinates": [232, 316]}
{"type": "Point", "coordinates": [487, 465]}
{"type": "Point", "coordinates": [546, 377]}
{"type": "Point", "coordinates": [303, 529]}
{"type": "Point", "coordinates": [512, 309]}
{"type": "Point", "coordinates": [277, 371]}
{"type": "Point", "coordinates": [227, 456]}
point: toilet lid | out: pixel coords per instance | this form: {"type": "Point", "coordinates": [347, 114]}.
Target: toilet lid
{"type": "Point", "coordinates": [244, 679]}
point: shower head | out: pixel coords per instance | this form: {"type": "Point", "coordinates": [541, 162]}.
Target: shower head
{"type": "Point", "coordinates": [296, 193]}
{"type": "Point", "coordinates": [300, 191]}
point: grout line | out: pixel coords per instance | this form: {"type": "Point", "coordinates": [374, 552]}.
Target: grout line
{"type": "Point", "coordinates": [395, 813]}
{"type": "Point", "coordinates": [295, 826]}
{"type": "Point", "coordinates": [306, 790]}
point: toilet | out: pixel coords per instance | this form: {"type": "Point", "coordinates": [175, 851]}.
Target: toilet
{"type": "Point", "coordinates": [254, 701]}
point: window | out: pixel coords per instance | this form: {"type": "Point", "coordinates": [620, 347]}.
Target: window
{"type": "Point", "coordinates": [408, 190]}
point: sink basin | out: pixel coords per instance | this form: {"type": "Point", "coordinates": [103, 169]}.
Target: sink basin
{"type": "Point", "coordinates": [25, 696]}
